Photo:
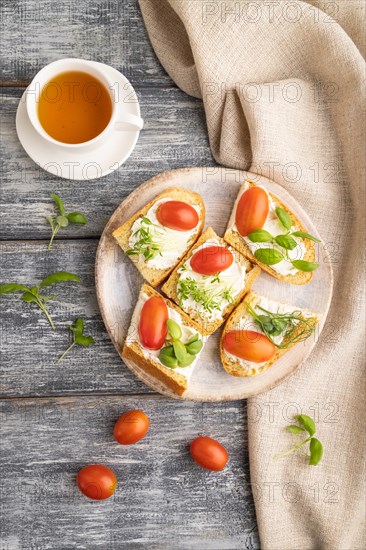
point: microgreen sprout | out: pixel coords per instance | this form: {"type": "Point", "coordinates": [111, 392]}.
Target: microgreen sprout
{"type": "Point", "coordinates": [305, 424]}
{"type": "Point", "coordinates": [77, 329]}
{"type": "Point", "coordinates": [293, 326]}
{"type": "Point", "coordinates": [33, 294]}
{"type": "Point", "coordinates": [62, 219]}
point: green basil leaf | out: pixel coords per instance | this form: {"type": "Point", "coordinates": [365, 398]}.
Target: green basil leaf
{"type": "Point", "coordinates": [84, 340]}
{"type": "Point", "coordinates": [307, 422]}
{"type": "Point", "coordinates": [146, 221]}
{"type": "Point", "coordinates": [62, 221]}
{"type": "Point", "coordinates": [167, 361]}
{"type": "Point", "coordinates": [77, 217]}
{"type": "Point", "coordinates": [60, 204]}
{"type": "Point", "coordinates": [29, 297]}
{"type": "Point", "coordinates": [316, 451]}
{"type": "Point", "coordinates": [260, 236]}
{"type": "Point", "coordinates": [180, 351]}
{"type": "Point", "coordinates": [284, 217]}
{"type": "Point", "coordinates": [302, 265]}
{"type": "Point", "coordinates": [195, 347]}
{"type": "Point", "coordinates": [12, 287]}
{"type": "Point", "coordinates": [174, 329]}
{"type": "Point", "coordinates": [304, 235]}
{"type": "Point", "coordinates": [78, 327]}
{"type": "Point", "coordinates": [268, 256]}
{"type": "Point", "coordinates": [286, 241]}
{"type": "Point", "coordinates": [295, 429]}
{"type": "Point", "coordinates": [59, 277]}
{"type": "Point", "coordinates": [187, 361]}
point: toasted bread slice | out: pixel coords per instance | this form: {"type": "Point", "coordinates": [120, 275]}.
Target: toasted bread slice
{"type": "Point", "coordinates": [207, 324]}
{"type": "Point", "coordinates": [133, 350]}
{"type": "Point", "coordinates": [155, 276]}
{"type": "Point", "coordinates": [241, 319]}
{"type": "Point", "coordinates": [238, 242]}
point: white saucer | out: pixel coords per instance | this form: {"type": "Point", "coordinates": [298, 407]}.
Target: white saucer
{"type": "Point", "coordinates": [95, 163]}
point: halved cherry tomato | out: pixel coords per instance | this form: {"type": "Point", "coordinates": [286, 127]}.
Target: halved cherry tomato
{"type": "Point", "coordinates": [212, 259]}
{"type": "Point", "coordinates": [97, 482]}
{"type": "Point", "coordinates": [209, 453]}
{"type": "Point", "coordinates": [252, 210]}
{"type": "Point", "coordinates": [152, 326]}
{"type": "Point", "coordinates": [177, 215]}
{"type": "Point", "coordinates": [131, 427]}
{"type": "Point", "coordinates": [249, 345]}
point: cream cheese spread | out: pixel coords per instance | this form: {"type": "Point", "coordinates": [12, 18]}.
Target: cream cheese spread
{"type": "Point", "coordinates": [172, 243]}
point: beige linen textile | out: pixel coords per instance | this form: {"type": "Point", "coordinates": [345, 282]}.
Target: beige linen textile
{"type": "Point", "coordinates": [283, 86]}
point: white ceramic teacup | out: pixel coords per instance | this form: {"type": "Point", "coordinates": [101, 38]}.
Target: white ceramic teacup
{"type": "Point", "coordinates": [120, 119]}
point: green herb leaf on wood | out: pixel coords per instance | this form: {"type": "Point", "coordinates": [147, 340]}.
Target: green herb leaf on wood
{"type": "Point", "coordinates": [62, 219]}
{"type": "Point", "coordinates": [33, 294]}
{"type": "Point", "coordinates": [77, 329]}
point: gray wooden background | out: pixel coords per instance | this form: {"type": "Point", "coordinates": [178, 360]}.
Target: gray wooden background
{"type": "Point", "coordinates": [56, 419]}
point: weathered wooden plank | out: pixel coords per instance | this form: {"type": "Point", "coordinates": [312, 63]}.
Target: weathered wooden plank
{"type": "Point", "coordinates": [163, 501]}
{"type": "Point", "coordinates": [110, 31]}
{"type": "Point", "coordinates": [30, 347]}
{"type": "Point", "coordinates": [174, 136]}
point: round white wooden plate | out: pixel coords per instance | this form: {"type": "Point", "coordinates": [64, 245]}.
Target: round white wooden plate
{"type": "Point", "coordinates": [118, 283]}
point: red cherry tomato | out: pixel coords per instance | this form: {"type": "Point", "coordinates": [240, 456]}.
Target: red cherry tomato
{"type": "Point", "coordinates": [177, 215]}
{"type": "Point", "coordinates": [152, 326]}
{"type": "Point", "coordinates": [97, 481]}
{"type": "Point", "coordinates": [249, 345]}
{"type": "Point", "coordinates": [252, 210]}
{"type": "Point", "coordinates": [131, 427]}
{"type": "Point", "coordinates": [212, 259]}
{"type": "Point", "coordinates": [209, 453]}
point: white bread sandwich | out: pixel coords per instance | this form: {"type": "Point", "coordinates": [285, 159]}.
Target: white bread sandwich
{"type": "Point", "coordinates": [260, 331]}
{"type": "Point", "coordinates": [263, 229]}
{"type": "Point", "coordinates": [161, 233]}
{"type": "Point", "coordinates": [162, 340]}
{"type": "Point", "coordinates": [210, 281]}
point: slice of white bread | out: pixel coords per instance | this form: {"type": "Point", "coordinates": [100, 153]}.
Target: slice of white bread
{"type": "Point", "coordinates": [133, 351]}
{"type": "Point", "coordinates": [237, 241]}
{"type": "Point", "coordinates": [241, 319]}
{"type": "Point", "coordinates": [123, 233]}
{"type": "Point", "coordinates": [208, 326]}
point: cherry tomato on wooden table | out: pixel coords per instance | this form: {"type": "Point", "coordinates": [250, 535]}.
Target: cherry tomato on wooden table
{"type": "Point", "coordinates": [249, 345]}
{"type": "Point", "coordinates": [131, 427]}
{"type": "Point", "coordinates": [177, 215]}
{"type": "Point", "coordinates": [252, 210]}
{"type": "Point", "coordinates": [209, 453]}
{"type": "Point", "coordinates": [211, 260]}
{"type": "Point", "coordinates": [152, 326]}
{"type": "Point", "coordinates": [97, 482]}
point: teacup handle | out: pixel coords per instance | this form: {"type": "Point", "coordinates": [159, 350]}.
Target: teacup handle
{"type": "Point", "coordinates": [129, 122]}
